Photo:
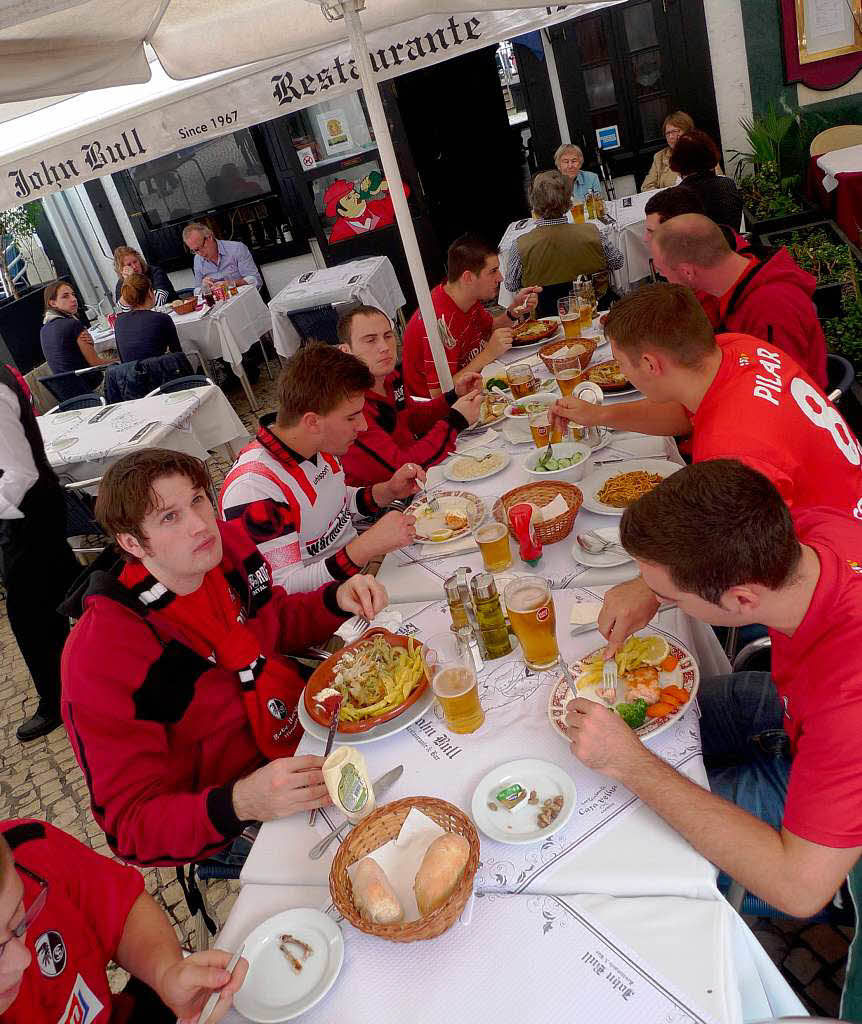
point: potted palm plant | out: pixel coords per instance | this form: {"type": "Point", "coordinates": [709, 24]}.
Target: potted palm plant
{"type": "Point", "coordinates": [771, 198]}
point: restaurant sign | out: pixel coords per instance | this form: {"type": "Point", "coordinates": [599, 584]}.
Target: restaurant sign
{"type": "Point", "coordinates": [195, 111]}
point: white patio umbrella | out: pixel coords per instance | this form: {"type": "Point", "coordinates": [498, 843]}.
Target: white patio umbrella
{"type": "Point", "coordinates": [57, 47]}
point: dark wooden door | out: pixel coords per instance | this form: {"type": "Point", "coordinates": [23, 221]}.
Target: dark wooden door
{"type": "Point", "coordinates": [630, 66]}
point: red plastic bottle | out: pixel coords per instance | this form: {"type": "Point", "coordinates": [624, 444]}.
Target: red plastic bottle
{"type": "Point", "coordinates": [521, 518]}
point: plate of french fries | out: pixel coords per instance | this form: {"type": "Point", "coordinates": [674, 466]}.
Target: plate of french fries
{"type": "Point", "coordinates": [379, 676]}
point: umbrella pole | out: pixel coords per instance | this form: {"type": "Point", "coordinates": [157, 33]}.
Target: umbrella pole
{"type": "Point", "coordinates": [396, 189]}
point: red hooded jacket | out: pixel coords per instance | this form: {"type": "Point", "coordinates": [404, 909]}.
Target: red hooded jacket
{"type": "Point", "coordinates": [160, 732]}
{"type": "Point", "coordinates": [401, 430]}
{"type": "Point", "coordinates": [772, 301]}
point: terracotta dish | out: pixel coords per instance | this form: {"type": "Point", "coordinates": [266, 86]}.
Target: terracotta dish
{"type": "Point", "coordinates": [534, 331]}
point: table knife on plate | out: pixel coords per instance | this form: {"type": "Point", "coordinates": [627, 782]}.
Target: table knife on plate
{"type": "Point", "coordinates": [382, 784]}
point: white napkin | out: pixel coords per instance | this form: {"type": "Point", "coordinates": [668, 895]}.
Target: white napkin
{"type": "Point", "coordinates": [637, 447]}
{"type": "Point", "coordinates": [584, 612]}
{"type": "Point", "coordinates": [557, 507]}
{"type": "Point", "coordinates": [400, 858]}
{"type": "Point", "coordinates": [451, 547]}
{"type": "Point", "coordinates": [516, 433]}
{"type": "Point", "coordinates": [464, 444]}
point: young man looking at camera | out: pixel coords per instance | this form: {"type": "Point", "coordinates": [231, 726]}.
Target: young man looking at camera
{"type": "Point", "coordinates": [400, 429]}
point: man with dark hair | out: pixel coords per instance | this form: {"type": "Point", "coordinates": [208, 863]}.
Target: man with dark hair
{"type": "Point", "coordinates": [694, 158]}
{"type": "Point", "coordinates": [38, 565]}
{"type": "Point", "coordinates": [179, 702]}
{"type": "Point", "coordinates": [738, 397]}
{"type": "Point", "coordinates": [718, 539]}
{"type": "Point", "coordinates": [770, 298]}
{"type": "Point", "coordinates": [288, 486]}
{"type": "Point", "coordinates": [674, 202]}
{"type": "Point", "coordinates": [471, 336]}
{"type": "Point", "coordinates": [400, 429]}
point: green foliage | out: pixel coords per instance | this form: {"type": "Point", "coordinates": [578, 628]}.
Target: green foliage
{"type": "Point", "coordinates": [828, 261]}
{"type": "Point", "coordinates": [20, 224]}
{"type": "Point", "coordinates": [844, 332]}
{"type": "Point", "coordinates": [767, 195]}
{"type": "Point", "coordinates": [765, 133]}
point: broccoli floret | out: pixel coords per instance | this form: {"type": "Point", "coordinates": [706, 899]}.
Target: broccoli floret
{"type": "Point", "coordinates": [634, 714]}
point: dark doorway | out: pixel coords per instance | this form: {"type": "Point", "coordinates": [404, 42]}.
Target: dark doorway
{"type": "Point", "coordinates": [630, 66]}
{"type": "Point", "coordinates": [467, 156]}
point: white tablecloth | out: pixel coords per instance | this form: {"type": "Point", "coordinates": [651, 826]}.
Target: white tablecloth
{"type": "Point", "coordinates": [192, 421]}
{"type": "Point", "coordinates": [838, 161]}
{"type": "Point", "coordinates": [226, 331]}
{"type": "Point", "coordinates": [705, 952]}
{"type": "Point", "coordinates": [371, 281]}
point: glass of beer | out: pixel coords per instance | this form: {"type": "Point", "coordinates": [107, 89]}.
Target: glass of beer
{"type": "Point", "coordinates": [522, 381]}
{"type": "Point", "coordinates": [543, 431]}
{"type": "Point", "coordinates": [569, 313]}
{"type": "Point", "coordinates": [492, 538]}
{"type": "Point", "coordinates": [577, 211]}
{"type": "Point", "coordinates": [453, 680]}
{"type": "Point", "coordinates": [531, 613]}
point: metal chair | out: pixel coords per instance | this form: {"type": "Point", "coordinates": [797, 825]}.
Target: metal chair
{"type": "Point", "coordinates": [316, 323]}
{"type": "Point", "coordinates": [839, 376]}
{"type": "Point", "coordinates": [80, 402]}
{"type": "Point", "coordinates": [194, 380]}
{"type": "Point", "coordinates": [70, 385]}
{"type": "Point", "coordinates": [80, 518]}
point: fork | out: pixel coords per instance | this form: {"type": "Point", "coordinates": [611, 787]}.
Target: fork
{"type": "Point", "coordinates": [610, 678]}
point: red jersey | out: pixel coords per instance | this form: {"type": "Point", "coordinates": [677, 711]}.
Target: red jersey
{"type": "Point", "coordinates": [764, 410]}
{"type": "Point", "coordinates": [818, 676]}
{"type": "Point", "coordinates": [77, 933]}
{"type": "Point", "coordinates": [464, 336]}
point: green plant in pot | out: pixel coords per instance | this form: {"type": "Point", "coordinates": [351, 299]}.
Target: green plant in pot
{"type": "Point", "coordinates": [844, 332]}
{"type": "Point", "coordinates": [768, 194]}
{"type": "Point", "coordinates": [830, 262]}
{"type": "Point", "coordinates": [17, 229]}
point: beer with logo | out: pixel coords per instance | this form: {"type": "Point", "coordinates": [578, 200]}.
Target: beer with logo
{"type": "Point", "coordinates": [531, 613]}
{"type": "Point", "coordinates": [542, 430]}
{"type": "Point", "coordinates": [453, 680]}
{"type": "Point", "coordinates": [522, 381]}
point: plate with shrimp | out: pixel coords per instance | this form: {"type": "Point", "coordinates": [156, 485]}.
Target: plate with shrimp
{"type": "Point", "coordinates": [658, 678]}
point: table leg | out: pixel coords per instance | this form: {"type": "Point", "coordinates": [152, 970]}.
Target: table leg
{"type": "Point", "coordinates": [246, 386]}
{"type": "Point", "coordinates": [265, 357]}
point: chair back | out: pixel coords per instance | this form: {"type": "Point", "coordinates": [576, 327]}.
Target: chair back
{"type": "Point", "coordinates": [839, 137]}
{"type": "Point", "coordinates": [193, 380]}
{"type": "Point", "coordinates": [315, 323]}
{"type": "Point", "coordinates": [839, 374]}
{"type": "Point", "coordinates": [548, 297]}
{"type": "Point", "coordinates": [126, 381]}
{"type": "Point", "coordinates": [73, 383]}
{"type": "Point", "coordinates": [81, 402]}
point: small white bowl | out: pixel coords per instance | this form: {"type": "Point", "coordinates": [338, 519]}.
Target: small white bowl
{"type": "Point", "coordinates": [561, 450]}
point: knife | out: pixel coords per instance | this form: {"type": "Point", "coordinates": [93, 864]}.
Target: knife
{"type": "Point", "coordinates": [333, 728]}
{"type": "Point", "coordinates": [384, 783]}
{"type": "Point", "coordinates": [209, 1005]}
{"type": "Point", "coordinates": [144, 430]}
{"type": "Point", "coordinates": [567, 675]}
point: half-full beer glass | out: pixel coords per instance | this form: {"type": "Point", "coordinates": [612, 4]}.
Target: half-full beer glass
{"type": "Point", "coordinates": [453, 680]}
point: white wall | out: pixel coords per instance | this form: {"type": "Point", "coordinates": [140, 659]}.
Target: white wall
{"type": "Point", "coordinates": [729, 72]}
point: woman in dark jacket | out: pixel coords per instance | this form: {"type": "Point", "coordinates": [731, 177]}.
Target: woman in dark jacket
{"type": "Point", "coordinates": [694, 158]}
{"type": "Point", "coordinates": [128, 261]}
{"type": "Point", "coordinates": [66, 342]}
{"type": "Point", "coordinates": [142, 332]}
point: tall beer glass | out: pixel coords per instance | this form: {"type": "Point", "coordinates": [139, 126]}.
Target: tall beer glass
{"type": "Point", "coordinates": [453, 680]}
{"type": "Point", "coordinates": [492, 538]}
{"type": "Point", "coordinates": [569, 313]}
{"type": "Point", "coordinates": [531, 612]}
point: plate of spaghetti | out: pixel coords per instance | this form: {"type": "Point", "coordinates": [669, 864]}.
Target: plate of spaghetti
{"type": "Point", "coordinates": [613, 488]}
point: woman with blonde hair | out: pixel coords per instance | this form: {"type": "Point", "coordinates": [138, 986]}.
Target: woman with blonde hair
{"type": "Point", "coordinates": [129, 261]}
{"type": "Point", "coordinates": [660, 174]}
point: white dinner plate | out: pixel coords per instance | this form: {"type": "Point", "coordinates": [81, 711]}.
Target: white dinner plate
{"type": "Point", "coordinates": [591, 485]}
{"type": "Point", "coordinates": [520, 827]}
{"type": "Point", "coordinates": [450, 472]}
{"type": "Point", "coordinates": [605, 559]}
{"type": "Point", "coordinates": [446, 500]}
{"type": "Point", "coordinates": [686, 675]}
{"type": "Point", "coordinates": [378, 732]}
{"type": "Point", "coordinates": [272, 990]}
{"type": "Point", "coordinates": [62, 443]}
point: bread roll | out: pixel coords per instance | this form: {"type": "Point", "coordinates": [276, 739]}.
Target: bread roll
{"type": "Point", "coordinates": [440, 871]}
{"type": "Point", "coordinates": [373, 894]}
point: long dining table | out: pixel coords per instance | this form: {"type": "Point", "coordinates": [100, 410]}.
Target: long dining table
{"type": "Point", "coordinates": [615, 886]}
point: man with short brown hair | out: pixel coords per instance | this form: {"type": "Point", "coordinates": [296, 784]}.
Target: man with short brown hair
{"type": "Point", "coordinates": [177, 697]}
{"type": "Point", "coordinates": [770, 299]}
{"type": "Point", "coordinates": [471, 336]}
{"type": "Point", "coordinates": [400, 429]}
{"type": "Point", "coordinates": [288, 486]}
{"type": "Point", "coordinates": [783, 747]}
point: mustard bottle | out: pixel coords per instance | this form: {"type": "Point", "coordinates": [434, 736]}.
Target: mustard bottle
{"type": "Point", "coordinates": [346, 776]}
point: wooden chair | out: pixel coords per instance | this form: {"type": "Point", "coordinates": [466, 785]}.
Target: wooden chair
{"type": "Point", "coordinates": [839, 137]}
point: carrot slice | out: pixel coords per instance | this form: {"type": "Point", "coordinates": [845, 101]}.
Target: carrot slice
{"type": "Point", "coordinates": [678, 692]}
{"type": "Point", "coordinates": [669, 663]}
{"type": "Point", "coordinates": [659, 710]}
{"type": "Point", "coordinates": [669, 698]}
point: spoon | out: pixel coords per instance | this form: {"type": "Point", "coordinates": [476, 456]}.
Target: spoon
{"type": "Point", "coordinates": [595, 545]}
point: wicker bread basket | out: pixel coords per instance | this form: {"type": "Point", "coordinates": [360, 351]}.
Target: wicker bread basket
{"type": "Point", "coordinates": [541, 494]}
{"type": "Point", "coordinates": [188, 306]}
{"type": "Point", "coordinates": [377, 829]}
{"type": "Point", "coordinates": [580, 362]}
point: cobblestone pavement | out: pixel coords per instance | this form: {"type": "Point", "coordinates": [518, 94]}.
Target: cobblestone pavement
{"type": "Point", "coordinates": [42, 780]}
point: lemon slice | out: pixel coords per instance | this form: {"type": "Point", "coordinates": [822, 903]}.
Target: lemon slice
{"type": "Point", "coordinates": [655, 649]}
{"type": "Point", "coordinates": [439, 535]}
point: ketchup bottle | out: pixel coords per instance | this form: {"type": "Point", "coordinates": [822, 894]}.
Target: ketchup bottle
{"type": "Point", "coordinates": [521, 518]}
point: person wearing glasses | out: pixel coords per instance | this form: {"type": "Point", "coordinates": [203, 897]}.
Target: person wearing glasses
{"type": "Point", "coordinates": [660, 173]}
{"type": "Point", "coordinates": [66, 912]}
{"type": "Point", "coordinates": [219, 260]}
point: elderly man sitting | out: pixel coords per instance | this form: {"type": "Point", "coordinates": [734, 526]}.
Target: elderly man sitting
{"type": "Point", "coordinates": [556, 252]}
{"type": "Point", "coordinates": [569, 161]}
{"type": "Point", "coordinates": [219, 260]}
